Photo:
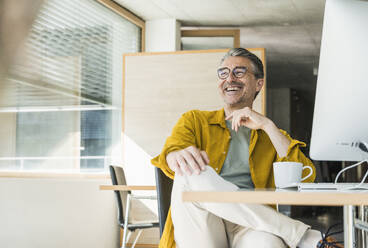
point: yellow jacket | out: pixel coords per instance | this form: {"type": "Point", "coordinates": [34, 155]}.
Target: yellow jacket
{"type": "Point", "coordinates": [207, 131]}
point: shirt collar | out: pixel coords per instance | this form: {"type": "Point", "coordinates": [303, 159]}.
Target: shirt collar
{"type": "Point", "coordinates": [218, 118]}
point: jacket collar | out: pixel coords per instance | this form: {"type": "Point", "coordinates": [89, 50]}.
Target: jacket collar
{"type": "Point", "coordinates": [218, 118]}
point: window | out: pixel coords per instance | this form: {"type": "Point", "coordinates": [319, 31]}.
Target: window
{"type": "Point", "coordinates": [62, 107]}
{"type": "Point", "coordinates": [203, 39]}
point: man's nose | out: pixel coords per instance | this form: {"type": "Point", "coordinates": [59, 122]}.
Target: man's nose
{"type": "Point", "coordinates": [230, 78]}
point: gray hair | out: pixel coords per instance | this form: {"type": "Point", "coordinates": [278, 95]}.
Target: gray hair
{"type": "Point", "coordinates": [242, 52]}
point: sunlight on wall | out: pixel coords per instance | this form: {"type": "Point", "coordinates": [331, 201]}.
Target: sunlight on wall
{"type": "Point", "coordinates": [138, 169]}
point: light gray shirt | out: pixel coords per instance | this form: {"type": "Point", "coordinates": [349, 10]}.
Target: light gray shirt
{"type": "Point", "coordinates": [236, 165]}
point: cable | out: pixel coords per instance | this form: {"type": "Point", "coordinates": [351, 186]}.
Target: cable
{"type": "Point", "coordinates": [347, 168]}
{"type": "Point", "coordinates": [357, 186]}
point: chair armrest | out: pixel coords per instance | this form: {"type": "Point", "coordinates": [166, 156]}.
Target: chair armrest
{"type": "Point", "coordinates": [127, 187]}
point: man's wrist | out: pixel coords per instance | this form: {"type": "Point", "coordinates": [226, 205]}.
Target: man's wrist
{"type": "Point", "coordinates": [269, 126]}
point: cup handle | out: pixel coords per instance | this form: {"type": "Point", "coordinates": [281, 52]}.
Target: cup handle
{"type": "Point", "coordinates": [310, 173]}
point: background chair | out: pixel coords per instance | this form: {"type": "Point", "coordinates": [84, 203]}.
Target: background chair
{"type": "Point", "coordinates": [163, 187]}
{"type": "Point", "coordinates": [123, 199]}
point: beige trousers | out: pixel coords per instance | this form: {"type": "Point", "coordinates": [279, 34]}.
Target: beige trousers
{"type": "Point", "coordinates": [222, 225]}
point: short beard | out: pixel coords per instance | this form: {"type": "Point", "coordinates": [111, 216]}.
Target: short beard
{"type": "Point", "coordinates": [240, 104]}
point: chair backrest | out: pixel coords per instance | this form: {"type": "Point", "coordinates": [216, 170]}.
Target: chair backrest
{"type": "Point", "coordinates": [164, 187]}
{"type": "Point", "coordinates": [118, 178]}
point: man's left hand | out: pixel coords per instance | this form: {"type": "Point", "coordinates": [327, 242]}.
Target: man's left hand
{"type": "Point", "coordinates": [249, 118]}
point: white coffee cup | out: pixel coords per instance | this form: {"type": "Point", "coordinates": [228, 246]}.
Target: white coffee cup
{"type": "Point", "coordinates": [288, 174]}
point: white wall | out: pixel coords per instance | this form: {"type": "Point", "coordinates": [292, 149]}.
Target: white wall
{"type": "Point", "coordinates": [57, 213]}
{"type": "Point", "coordinates": [163, 35]}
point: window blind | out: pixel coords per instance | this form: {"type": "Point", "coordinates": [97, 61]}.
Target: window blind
{"type": "Point", "coordinates": [61, 102]}
{"type": "Point", "coordinates": [71, 56]}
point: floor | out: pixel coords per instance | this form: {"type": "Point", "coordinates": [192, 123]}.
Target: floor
{"type": "Point", "coordinates": [322, 217]}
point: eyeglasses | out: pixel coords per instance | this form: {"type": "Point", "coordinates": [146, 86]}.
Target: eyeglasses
{"type": "Point", "coordinates": [238, 72]}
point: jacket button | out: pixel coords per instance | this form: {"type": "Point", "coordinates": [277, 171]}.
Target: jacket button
{"type": "Point", "coordinates": [224, 153]}
{"type": "Point", "coordinates": [216, 169]}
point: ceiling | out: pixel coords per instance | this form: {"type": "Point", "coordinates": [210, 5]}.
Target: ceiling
{"type": "Point", "coordinates": [244, 13]}
{"type": "Point", "coordinates": [290, 30]}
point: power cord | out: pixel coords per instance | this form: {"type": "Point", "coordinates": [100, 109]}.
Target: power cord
{"type": "Point", "coordinates": [364, 147]}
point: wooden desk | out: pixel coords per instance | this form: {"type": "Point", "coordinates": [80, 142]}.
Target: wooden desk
{"type": "Point", "coordinates": [275, 196]}
{"type": "Point", "coordinates": [294, 197]}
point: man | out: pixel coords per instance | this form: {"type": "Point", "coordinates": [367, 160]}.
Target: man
{"type": "Point", "coordinates": [229, 149]}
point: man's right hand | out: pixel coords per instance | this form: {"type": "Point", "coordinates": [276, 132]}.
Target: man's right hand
{"type": "Point", "coordinates": [187, 161]}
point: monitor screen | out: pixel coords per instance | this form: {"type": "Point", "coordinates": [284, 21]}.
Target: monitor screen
{"type": "Point", "coordinates": [341, 107]}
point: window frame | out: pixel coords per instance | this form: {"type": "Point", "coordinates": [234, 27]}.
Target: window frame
{"type": "Point", "coordinates": [235, 33]}
{"type": "Point", "coordinates": [120, 10]}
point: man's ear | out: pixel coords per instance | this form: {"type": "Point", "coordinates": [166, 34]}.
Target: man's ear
{"type": "Point", "coordinates": [259, 84]}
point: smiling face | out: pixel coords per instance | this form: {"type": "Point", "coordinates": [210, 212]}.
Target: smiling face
{"type": "Point", "coordinates": [239, 92]}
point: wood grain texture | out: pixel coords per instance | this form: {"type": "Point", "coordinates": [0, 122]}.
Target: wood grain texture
{"type": "Point", "coordinates": [334, 198]}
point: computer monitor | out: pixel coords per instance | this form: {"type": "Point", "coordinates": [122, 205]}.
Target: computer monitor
{"type": "Point", "coordinates": [341, 106]}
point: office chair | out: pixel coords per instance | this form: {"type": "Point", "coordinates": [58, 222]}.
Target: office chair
{"type": "Point", "coordinates": [163, 187]}
{"type": "Point", "coordinates": [123, 199]}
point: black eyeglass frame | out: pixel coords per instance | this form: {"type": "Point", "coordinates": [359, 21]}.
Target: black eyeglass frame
{"type": "Point", "coordinates": [232, 71]}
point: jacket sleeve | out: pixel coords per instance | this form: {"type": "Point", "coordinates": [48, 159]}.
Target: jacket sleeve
{"type": "Point", "coordinates": [182, 136]}
{"type": "Point", "coordinates": [294, 154]}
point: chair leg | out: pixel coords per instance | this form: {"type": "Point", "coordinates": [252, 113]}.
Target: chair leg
{"type": "Point", "coordinates": [123, 245]}
{"type": "Point", "coordinates": [125, 239]}
{"type": "Point", "coordinates": [136, 238]}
